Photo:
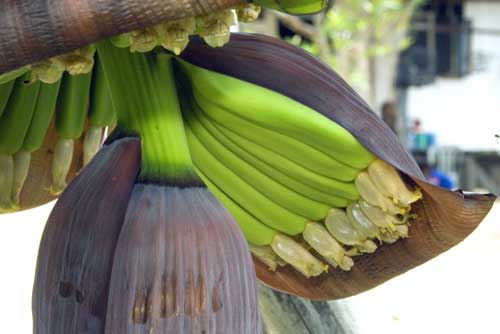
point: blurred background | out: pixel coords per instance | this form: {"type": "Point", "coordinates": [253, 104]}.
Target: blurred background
{"type": "Point", "coordinates": [431, 69]}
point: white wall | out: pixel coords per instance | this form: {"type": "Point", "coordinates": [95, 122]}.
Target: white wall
{"type": "Point", "coordinates": [466, 112]}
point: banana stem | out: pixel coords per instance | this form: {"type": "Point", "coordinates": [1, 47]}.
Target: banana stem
{"type": "Point", "coordinates": [22, 161]}
{"type": "Point", "coordinates": [6, 178]}
{"type": "Point", "coordinates": [144, 94]}
{"type": "Point", "coordinates": [63, 155]}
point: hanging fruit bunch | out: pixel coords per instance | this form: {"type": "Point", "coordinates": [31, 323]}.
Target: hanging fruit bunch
{"type": "Point", "coordinates": [211, 133]}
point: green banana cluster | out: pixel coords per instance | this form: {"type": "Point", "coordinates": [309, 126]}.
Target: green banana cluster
{"type": "Point", "coordinates": [302, 188]}
{"type": "Point", "coordinates": [27, 107]}
{"type": "Point", "coordinates": [293, 179]}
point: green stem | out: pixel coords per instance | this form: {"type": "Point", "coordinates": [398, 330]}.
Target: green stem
{"type": "Point", "coordinates": [143, 90]}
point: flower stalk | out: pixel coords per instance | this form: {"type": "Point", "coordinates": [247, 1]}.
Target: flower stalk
{"type": "Point", "coordinates": [143, 91]}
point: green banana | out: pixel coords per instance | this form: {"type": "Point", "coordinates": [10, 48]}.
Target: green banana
{"type": "Point", "coordinates": [288, 117]}
{"type": "Point", "coordinates": [14, 125]}
{"type": "Point", "coordinates": [302, 154]}
{"type": "Point", "coordinates": [5, 91]}
{"type": "Point", "coordinates": [101, 113]}
{"type": "Point", "coordinates": [72, 105]}
{"type": "Point", "coordinates": [342, 189]}
{"type": "Point", "coordinates": [71, 110]}
{"type": "Point", "coordinates": [255, 232]}
{"type": "Point", "coordinates": [275, 191]}
{"type": "Point", "coordinates": [16, 118]}
{"type": "Point", "coordinates": [14, 74]}
{"type": "Point", "coordinates": [244, 194]}
{"type": "Point", "coordinates": [268, 169]}
{"type": "Point", "coordinates": [294, 7]}
{"type": "Point", "coordinates": [258, 234]}
{"type": "Point", "coordinates": [42, 115]}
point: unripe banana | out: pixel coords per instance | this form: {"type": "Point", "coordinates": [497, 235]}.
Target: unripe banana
{"type": "Point", "coordinates": [101, 113]}
{"type": "Point", "coordinates": [14, 125]}
{"type": "Point", "coordinates": [272, 166]}
{"type": "Point", "coordinates": [342, 189]}
{"type": "Point", "coordinates": [5, 91]}
{"type": "Point", "coordinates": [244, 194]}
{"type": "Point", "coordinates": [255, 232]}
{"type": "Point", "coordinates": [289, 117]}
{"type": "Point", "coordinates": [16, 119]}
{"type": "Point", "coordinates": [273, 190]}
{"type": "Point", "coordinates": [294, 7]}
{"type": "Point", "coordinates": [302, 154]}
{"type": "Point", "coordinates": [42, 115]}
{"type": "Point", "coordinates": [13, 75]}
{"type": "Point", "coordinates": [283, 249]}
{"type": "Point", "coordinates": [72, 106]}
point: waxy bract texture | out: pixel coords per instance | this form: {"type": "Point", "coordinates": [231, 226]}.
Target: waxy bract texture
{"type": "Point", "coordinates": [121, 257]}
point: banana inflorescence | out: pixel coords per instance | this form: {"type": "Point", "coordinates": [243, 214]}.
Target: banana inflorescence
{"type": "Point", "coordinates": [304, 191]}
{"type": "Point", "coordinates": [72, 90]}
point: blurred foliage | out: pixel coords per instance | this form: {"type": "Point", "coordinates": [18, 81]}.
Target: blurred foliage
{"type": "Point", "coordinates": [356, 30]}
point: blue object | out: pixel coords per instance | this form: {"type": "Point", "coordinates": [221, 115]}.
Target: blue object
{"type": "Point", "coordinates": [441, 179]}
